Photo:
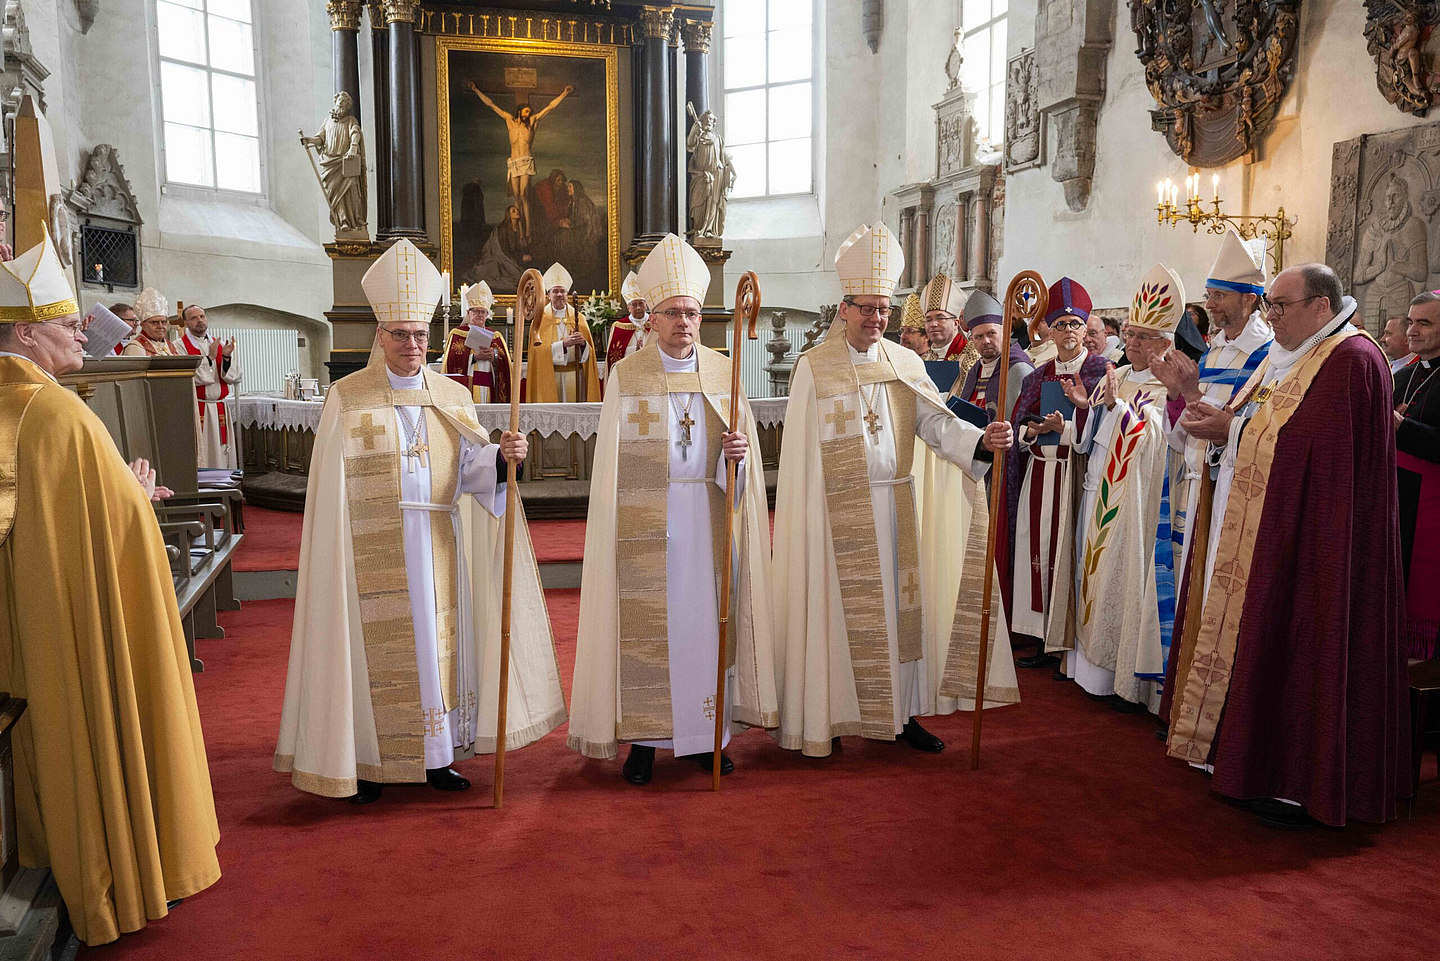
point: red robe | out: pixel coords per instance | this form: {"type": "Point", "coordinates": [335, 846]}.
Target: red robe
{"type": "Point", "coordinates": [956, 348]}
{"type": "Point", "coordinates": [621, 333]}
{"type": "Point", "coordinates": [1317, 708]}
{"type": "Point", "coordinates": [457, 366]}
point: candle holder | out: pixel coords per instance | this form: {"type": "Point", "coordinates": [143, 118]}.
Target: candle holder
{"type": "Point", "coordinates": [1274, 228]}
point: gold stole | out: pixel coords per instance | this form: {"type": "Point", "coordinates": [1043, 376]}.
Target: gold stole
{"type": "Point", "coordinates": [962, 664]}
{"type": "Point", "coordinates": [1195, 715]}
{"type": "Point", "coordinates": [372, 453]}
{"type": "Point", "coordinates": [852, 524]}
{"type": "Point", "coordinates": [641, 524]}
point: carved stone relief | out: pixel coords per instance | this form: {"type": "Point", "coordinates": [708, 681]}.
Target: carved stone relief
{"type": "Point", "coordinates": [1217, 70]}
{"type": "Point", "coordinates": [1398, 36]}
{"type": "Point", "coordinates": [1072, 42]}
{"type": "Point", "coordinates": [1024, 124]}
{"type": "Point", "coordinates": [104, 191]}
{"type": "Point", "coordinates": [946, 229]}
{"type": "Point", "coordinates": [1382, 235]}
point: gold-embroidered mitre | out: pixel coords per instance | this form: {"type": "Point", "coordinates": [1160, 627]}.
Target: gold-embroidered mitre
{"type": "Point", "coordinates": [869, 262]}
{"type": "Point", "coordinates": [673, 269]}
{"type": "Point", "coordinates": [33, 286]}
{"type": "Point", "coordinates": [1159, 303]}
{"type": "Point", "coordinates": [403, 286]}
{"type": "Point", "coordinates": [558, 276]}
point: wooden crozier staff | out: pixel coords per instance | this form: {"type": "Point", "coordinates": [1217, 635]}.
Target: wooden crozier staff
{"type": "Point", "coordinates": [528, 301]}
{"type": "Point", "coordinates": [747, 309]}
{"type": "Point", "coordinates": [1025, 298]}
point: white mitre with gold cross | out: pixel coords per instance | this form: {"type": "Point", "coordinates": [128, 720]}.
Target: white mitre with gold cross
{"type": "Point", "coordinates": [151, 303]}
{"type": "Point", "coordinates": [870, 261]}
{"type": "Point", "coordinates": [1159, 303]}
{"type": "Point", "coordinates": [476, 295]}
{"type": "Point", "coordinates": [673, 269]}
{"type": "Point", "coordinates": [558, 276]}
{"type": "Point", "coordinates": [403, 286]}
{"type": "Point", "coordinates": [33, 286]}
{"type": "Point", "coordinates": [630, 289]}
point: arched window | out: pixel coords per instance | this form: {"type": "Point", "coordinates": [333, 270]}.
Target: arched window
{"type": "Point", "coordinates": [209, 95]}
{"type": "Point", "coordinates": [769, 61]}
{"type": "Point", "coordinates": [983, 74]}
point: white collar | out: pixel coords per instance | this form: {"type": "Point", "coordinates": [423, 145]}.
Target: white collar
{"type": "Point", "coordinates": [676, 365]}
{"type": "Point", "coordinates": [868, 356]}
{"type": "Point", "coordinates": [28, 360]}
{"type": "Point", "coordinates": [1281, 360]}
{"type": "Point", "coordinates": [1071, 366]}
{"type": "Point", "coordinates": [1255, 334]}
{"type": "Point", "coordinates": [397, 382]}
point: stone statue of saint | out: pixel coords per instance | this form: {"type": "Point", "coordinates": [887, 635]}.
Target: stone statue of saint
{"type": "Point", "coordinates": [711, 175]}
{"type": "Point", "coordinates": [1393, 259]}
{"type": "Point", "coordinates": [340, 145]}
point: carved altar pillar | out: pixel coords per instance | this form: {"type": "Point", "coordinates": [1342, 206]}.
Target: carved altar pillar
{"type": "Point", "coordinates": [345, 47]}
{"type": "Point", "coordinates": [407, 193]}
{"type": "Point", "coordinates": [380, 136]}
{"type": "Point", "coordinates": [656, 211]}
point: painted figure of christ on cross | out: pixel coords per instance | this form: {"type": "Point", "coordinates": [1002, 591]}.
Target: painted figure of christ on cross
{"type": "Point", "coordinates": [521, 165]}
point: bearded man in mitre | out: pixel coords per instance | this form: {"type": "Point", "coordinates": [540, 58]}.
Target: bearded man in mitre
{"type": "Point", "coordinates": [858, 655]}
{"type": "Point", "coordinates": [628, 334]}
{"type": "Point", "coordinates": [112, 789]}
{"type": "Point", "coordinates": [394, 655]}
{"type": "Point", "coordinates": [648, 649]}
{"type": "Point", "coordinates": [562, 350]}
{"type": "Point", "coordinates": [1117, 622]}
{"type": "Point", "coordinates": [475, 356]}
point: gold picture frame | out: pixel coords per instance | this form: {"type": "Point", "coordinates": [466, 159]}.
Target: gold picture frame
{"type": "Point", "coordinates": [447, 47]}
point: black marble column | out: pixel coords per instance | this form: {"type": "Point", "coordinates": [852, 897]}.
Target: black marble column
{"type": "Point", "coordinates": [406, 177]}
{"type": "Point", "coordinates": [380, 137]}
{"type": "Point", "coordinates": [656, 212]}
{"type": "Point", "coordinates": [696, 34]}
{"type": "Point", "coordinates": [674, 167]}
{"type": "Point", "coordinates": [345, 48]}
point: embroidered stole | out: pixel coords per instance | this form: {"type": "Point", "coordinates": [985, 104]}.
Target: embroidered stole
{"type": "Point", "coordinates": [1202, 689]}
{"type": "Point", "coordinates": [642, 524]}
{"type": "Point", "coordinates": [373, 455]}
{"type": "Point", "coordinates": [852, 523]}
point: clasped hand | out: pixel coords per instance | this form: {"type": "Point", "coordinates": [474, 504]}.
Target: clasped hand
{"type": "Point", "coordinates": [1207, 422]}
{"type": "Point", "coordinates": [514, 447]}
{"type": "Point", "coordinates": [573, 340]}
{"type": "Point", "coordinates": [735, 445]}
{"type": "Point", "coordinates": [998, 437]}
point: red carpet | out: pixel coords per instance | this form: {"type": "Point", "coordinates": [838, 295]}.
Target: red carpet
{"type": "Point", "coordinates": [1077, 839]}
{"type": "Point", "coordinates": [558, 541]}
{"type": "Point", "coordinates": [272, 541]}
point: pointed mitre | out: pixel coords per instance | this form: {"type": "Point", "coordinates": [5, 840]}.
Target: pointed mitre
{"type": "Point", "coordinates": [34, 287]}
{"type": "Point", "coordinates": [630, 289]}
{"type": "Point", "coordinates": [151, 303]}
{"type": "Point", "coordinates": [673, 269]}
{"type": "Point", "coordinates": [403, 286]}
{"type": "Point", "coordinates": [869, 262]}
{"type": "Point", "coordinates": [942, 293]}
{"type": "Point", "coordinates": [1240, 265]}
{"type": "Point", "coordinates": [1159, 303]}
{"type": "Point", "coordinates": [476, 295]}
{"type": "Point", "coordinates": [558, 276]}
{"type": "Point", "coordinates": [981, 308]}
{"type": "Point", "coordinates": [911, 315]}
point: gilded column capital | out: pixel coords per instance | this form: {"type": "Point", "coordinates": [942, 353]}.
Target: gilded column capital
{"type": "Point", "coordinates": [400, 11]}
{"type": "Point", "coordinates": [377, 14]}
{"type": "Point", "coordinates": [697, 35]}
{"type": "Point", "coordinates": [657, 23]}
{"type": "Point", "coordinates": [344, 14]}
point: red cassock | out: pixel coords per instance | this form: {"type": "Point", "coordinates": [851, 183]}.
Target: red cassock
{"type": "Point", "coordinates": [1317, 708]}
{"type": "Point", "coordinates": [458, 369]}
{"type": "Point", "coordinates": [622, 332]}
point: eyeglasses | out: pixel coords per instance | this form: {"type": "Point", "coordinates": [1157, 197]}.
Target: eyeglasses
{"type": "Point", "coordinates": [1278, 307]}
{"type": "Point", "coordinates": [691, 316]}
{"type": "Point", "coordinates": [74, 329]}
{"type": "Point", "coordinates": [1068, 325]}
{"type": "Point", "coordinates": [869, 310]}
{"type": "Point", "coordinates": [420, 337]}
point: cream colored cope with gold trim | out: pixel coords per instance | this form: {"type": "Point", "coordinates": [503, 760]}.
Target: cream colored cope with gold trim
{"type": "Point", "coordinates": [34, 286]}
{"type": "Point", "coordinates": [870, 262]}
{"type": "Point", "coordinates": [673, 269]}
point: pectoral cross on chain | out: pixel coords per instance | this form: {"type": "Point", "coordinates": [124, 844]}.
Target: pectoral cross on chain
{"type": "Point", "coordinates": [416, 452]}
{"type": "Point", "coordinates": [872, 422]}
{"type": "Point", "coordinates": [686, 422]}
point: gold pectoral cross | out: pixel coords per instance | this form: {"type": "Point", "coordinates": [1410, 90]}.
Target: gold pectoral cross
{"type": "Point", "coordinates": [416, 452]}
{"type": "Point", "coordinates": [686, 422]}
{"type": "Point", "coordinates": [872, 422]}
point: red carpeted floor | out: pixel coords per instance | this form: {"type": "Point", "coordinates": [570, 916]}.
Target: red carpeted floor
{"type": "Point", "coordinates": [1076, 839]}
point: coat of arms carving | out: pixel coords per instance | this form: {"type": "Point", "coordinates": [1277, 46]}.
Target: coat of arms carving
{"type": "Point", "coordinates": [1398, 35]}
{"type": "Point", "coordinates": [1217, 70]}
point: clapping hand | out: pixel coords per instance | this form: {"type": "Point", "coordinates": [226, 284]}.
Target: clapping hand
{"type": "Point", "coordinates": [228, 347]}
{"type": "Point", "coordinates": [1109, 391]}
{"type": "Point", "coordinates": [1180, 375]}
{"type": "Point", "coordinates": [1207, 422]}
{"type": "Point", "coordinates": [1076, 393]}
{"type": "Point", "coordinates": [145, 474]}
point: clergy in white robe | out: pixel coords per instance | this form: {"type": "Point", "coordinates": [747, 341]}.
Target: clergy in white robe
{"type": "Point", "coordinates": [647, 651]}
{"type": "Point", "coordinates": [562, 367]}
{"type": "Point", "coordinates": [394, 652]}
{"type": "Point", "coordinates": [1124, 591]}
{"type": "Point", "coordinates": [857, 654]}
{"type": "Point", "coordinates": [215, 380]}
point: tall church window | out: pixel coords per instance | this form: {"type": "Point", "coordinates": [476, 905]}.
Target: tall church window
{"type": "Point", "coordinates": [208, 89]}
{"type": "Point", "coordinates": [768, 58]}
{"type": "Point", "coordinates": [983, 74]}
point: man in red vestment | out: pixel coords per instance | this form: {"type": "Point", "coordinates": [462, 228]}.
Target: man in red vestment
{"type": "Point", "coordinates": [1291, 681]}
{"type": "Point", "coordinates": [484, 370]}
{"type": "Point", "coordinates": [629, 333]}
{"type": "Point", "coordinates": [1417, 459]}
{"type": "Point", "coordinates": [944, 304]}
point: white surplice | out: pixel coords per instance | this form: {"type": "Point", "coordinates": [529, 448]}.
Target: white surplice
{"type": "Point", "coordinates": [211, 452]}
{"type": "Point", "coordinates": [567, 383]}
{"type": "Point", "coordinates": [478, 476]}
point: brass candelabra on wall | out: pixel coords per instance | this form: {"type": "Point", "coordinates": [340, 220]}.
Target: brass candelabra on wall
{"type": "Point", "coordinates": [1275, 228]}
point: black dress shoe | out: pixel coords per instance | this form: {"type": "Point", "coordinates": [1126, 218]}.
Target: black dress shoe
{"type": "Point", "coordinates": [639, 765]}
{"type": "Point", "coordinates": [1059, 675]}
{"type": "Point", "coordinates": [366, 792]}
{"type": "Point", "coordinates": [1040, 660]}
{"type": "Point", "coordinates": [707, 761]}
{"type": "Point", "coordinates": [172, 905]}
{"type": "Point", "coordinates": [1119, 704]}
{"type": "Point", "coordinates": [919, 738]}
{"type": "Point", "coordinates": [1277, 814]}
{"type": "Point", "coordinates": [444, 779]}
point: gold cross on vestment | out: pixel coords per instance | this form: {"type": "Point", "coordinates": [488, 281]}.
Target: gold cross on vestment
{"type": "Point", "coordinates": [417, 452]}
{"type": "Point", "coordinates": [644, 417]}
{"type": "Point", "coordinates": [368, 430]}
{"type": "Point", "coordinates": [710, 707]}
{"type": "Point", "coordinates": [911, 588]}
{"type": "Point", "coordinates": [840, 418]}
{"type": "Point", "coordinates": [872, 422]}
{"type": "Point", "coordinates": [686, 422]}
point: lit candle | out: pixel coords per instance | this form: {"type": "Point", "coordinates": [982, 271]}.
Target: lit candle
{"type": "Point", "coordinates": [1215, 182]}
{"type": "Point", "coordinates": [445, 295]}
{"type": "Point", "coordinates": [510, 316]}
{"type": "Point", "coordinates": [1174, 195]}
{"type": "Point", "coordinates": [1160, 199]}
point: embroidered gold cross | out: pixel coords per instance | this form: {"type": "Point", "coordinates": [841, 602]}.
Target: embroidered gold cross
{"type": "Point", "coordinates": [416, 452]}
{"type": "Point", "coordinates": [644, 417]}
{"type": "Point", "coordinates": [840, 418]}
{"type": "Point", "coordinates": [911, 588]}
{"type": "Point", "coordinates": [434, 722]}
{"type": "Point", "coordinates": [710, 707]}
{"type": "Point", "coordinates": [368, 430]}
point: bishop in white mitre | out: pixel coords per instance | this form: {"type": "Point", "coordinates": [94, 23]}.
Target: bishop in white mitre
{"type": "Point", "coordinates": [854, 637]}
{"type": "Point", "coordinates": [394, 655]}
{"type": "Point", "coordinates": [1117, 621]}
{"type": "Point", "coordinates": [562, 366]}
{"type": "Point", "coordinates": [647, 653]}
{"type": "Point", "coordinates": [631, 332]}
